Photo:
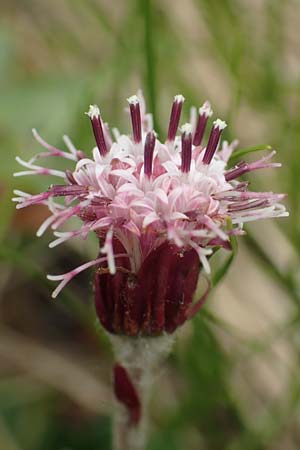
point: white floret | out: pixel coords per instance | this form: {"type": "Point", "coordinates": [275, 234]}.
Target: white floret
{"type": "Point", "coordinates": [93, 112]}
{"type": "Point", "coordinates": [220, 124]}
{"type": "Point", "coordinates": [133, 100]}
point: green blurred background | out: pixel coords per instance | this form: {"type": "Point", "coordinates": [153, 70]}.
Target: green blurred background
{"type": "Point", "coordinates": [233, 381]}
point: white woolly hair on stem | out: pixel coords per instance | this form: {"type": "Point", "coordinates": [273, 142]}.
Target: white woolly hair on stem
{"type": "Point", "coordinates": [141, 357]}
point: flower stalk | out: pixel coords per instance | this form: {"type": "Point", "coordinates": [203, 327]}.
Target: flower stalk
{"type": "Point", "coordinates": [138, 360]}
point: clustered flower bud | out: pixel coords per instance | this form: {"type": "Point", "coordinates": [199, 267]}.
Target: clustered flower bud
{"type": "Point", "coordinates": [159, 210]}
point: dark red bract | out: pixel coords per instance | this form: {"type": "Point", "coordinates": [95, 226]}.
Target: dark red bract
{"type": "Point", "coordinates": [155, 300]}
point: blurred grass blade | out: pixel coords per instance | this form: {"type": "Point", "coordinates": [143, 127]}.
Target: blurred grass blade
{"type": "Point", "coordinates": [150, 68]}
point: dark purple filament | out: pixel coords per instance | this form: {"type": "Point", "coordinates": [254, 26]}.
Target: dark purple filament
{"type": "Point", "coordinates": [186, 151]}
{"type": "Point", "coordinates": [212, 145]}
{"type": "Point", "coordinates": [98, 133]}
{"type": "Point", "coordinates": [148, 153]}
{"type": "Point", "coordinates": [135, 113]}
{"type": "Point", "coordinates": [237, 171]}
{"type": "Point", "coordinates": [175, 117]}
{"type": "Point", "coordinates": [70, 176]}
{"type": "Point", "coordinates": [200, 129]}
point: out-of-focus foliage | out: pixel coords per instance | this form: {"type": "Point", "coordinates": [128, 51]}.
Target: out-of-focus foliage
{"type": "Point", "coordinates": [233, 381]}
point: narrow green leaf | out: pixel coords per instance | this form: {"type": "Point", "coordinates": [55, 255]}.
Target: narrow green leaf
{"type": "Point", "coordinates": [244, 151]}
{"type": "Point", "coordinates": [221, 272]}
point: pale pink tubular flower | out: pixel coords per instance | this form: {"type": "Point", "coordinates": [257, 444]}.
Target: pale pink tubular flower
{"type": "Point", "coordinates": [160, 209]}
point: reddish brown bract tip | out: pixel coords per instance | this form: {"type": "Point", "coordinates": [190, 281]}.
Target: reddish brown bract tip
{"type": "Point", "coordinates": [126, 393]}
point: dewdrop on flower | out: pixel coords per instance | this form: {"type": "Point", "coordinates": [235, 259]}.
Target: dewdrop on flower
{"type": "Point", "coordinates": [159, 209]}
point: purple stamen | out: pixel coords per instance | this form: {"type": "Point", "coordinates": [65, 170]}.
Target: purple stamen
{"type": "Point", "coordinates": [148, 153]}
{"type": "Point", "coordinates": [237, 171]}
{"type": "Point", "coordinates": [64, 190]}
{"type": "Point", "coordinates": [243, 167]}
{"type": "Point", "coordinates": [94, 115]}
{"type": "Point", "coordinates": [175, 117]}
{"type": "Point", "coordinates": [242, 206]}
{"type": "Point", "coordinates": [186, 148]}
{"type": "Point", "coordinates": [204, 113]}
{"type": "Point", "coordinates": [70, 176]}
{"type": "Point", "coordinates": [135, 112]}
{"type": "Point", "coordinates": [213, 140]}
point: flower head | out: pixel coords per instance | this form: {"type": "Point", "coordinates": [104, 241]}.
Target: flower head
{"type": "Point", "coordinates": [159, 209]}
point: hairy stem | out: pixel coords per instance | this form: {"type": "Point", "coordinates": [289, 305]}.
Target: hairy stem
{"type": "Point", "coordinates": [138, 360]}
